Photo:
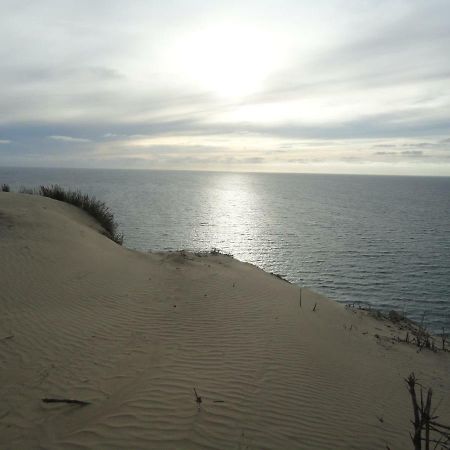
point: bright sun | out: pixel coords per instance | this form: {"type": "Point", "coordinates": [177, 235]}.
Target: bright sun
{"type": "Point", "coordinates": [231, 61]}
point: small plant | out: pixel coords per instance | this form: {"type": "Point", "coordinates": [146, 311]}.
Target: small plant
{"type": "Point", "coordinates": [425, 420]}
{"type": "Point", "coordinates": [281, 277]}
{"type": "Point", "coordinates": [95, 208]}
{"type": "Point", "coordinates": [5, 187]}
{"type": "Point", "coordinates": [444, 337]}
{"type": "Point", "coordinates": [216, 251]}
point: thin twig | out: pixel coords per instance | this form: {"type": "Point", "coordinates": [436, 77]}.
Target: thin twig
{"type": "Point", "coordinates": [198, 399]}
{"type": "Point", "coordinates": [7, 337]}
{"type": "Point", "coordinates": [65, 400]}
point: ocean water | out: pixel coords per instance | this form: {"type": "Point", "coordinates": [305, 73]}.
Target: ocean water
{"type": "Point", "coordinates": [383, 241]}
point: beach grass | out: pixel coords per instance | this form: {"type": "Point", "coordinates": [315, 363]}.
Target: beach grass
{"type": "Point", "coordinates": [95, 208]}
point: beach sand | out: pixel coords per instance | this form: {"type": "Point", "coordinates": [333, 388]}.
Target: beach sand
{"type": "Point", "coordinates": [133, 334]}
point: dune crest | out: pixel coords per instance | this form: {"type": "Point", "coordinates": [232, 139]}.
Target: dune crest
{"type": "Point", "coordinates": [134, 334]}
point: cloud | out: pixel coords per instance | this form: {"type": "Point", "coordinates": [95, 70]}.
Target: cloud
{"type": "Point", "coordinates": [352, 82]}
{"type": "Point", "coordinates": [406, 153]}
{"type": "Point", "coordinates": [412, 153]}
{"type": "Point", "coordinates": [68, 139]}
{"type": "Point", "coordinates": [421, 145]}
{"type": "Point", "coordinates": [384, 146]}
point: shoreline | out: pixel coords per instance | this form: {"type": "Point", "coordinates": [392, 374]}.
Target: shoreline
{"type": "Point", "coordinates": [134, 333]}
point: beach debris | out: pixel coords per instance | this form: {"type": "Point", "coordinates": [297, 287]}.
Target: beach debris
{"type": "Point", "coordinates": [315, 305]}
{"type": "Point", "coordinates": [300, 300]}
{"type": "Point", "coordinates": [66, 400]}
{"type": "Point", "coordinates": [281, 277]}
{"type": "Point", "coordinates": [6, 338]}
{"type": "Point", "coordinates": [198, 399]}
{"type": "Point", "coordinates": [395, 317]}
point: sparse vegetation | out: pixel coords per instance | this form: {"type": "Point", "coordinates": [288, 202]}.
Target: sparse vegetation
{"type": "Point", "coordinates": [216, 251]}
{"type": "Point", "coordinates": [415, 333]}
{"type": "Point", "coordinates": [91, 205]}
{"type": "Point", "coordinates": [427, 431]}
{"type": "Point", "coordinates": [281, 277]}
{"type": "Point", "coordinates": [95, 208]}
{"type": "Point", "coordinates": [444, 337]}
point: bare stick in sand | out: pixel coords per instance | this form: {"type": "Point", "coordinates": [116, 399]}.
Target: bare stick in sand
{"type": "Point", "coordinates": [65, 400]}
{"type": "Point", "coordinates": [7, 337]}
{"type": "Point", "coordinates": [444, 338]}
{"type": "Point", "coordinates": [198, 399]}
{"type": "Point", "coordinates": [314, 309]}
{"type": "Point", "coordinates": [425, 420]}
{"type": "Point", "coordinates": [300, 301]}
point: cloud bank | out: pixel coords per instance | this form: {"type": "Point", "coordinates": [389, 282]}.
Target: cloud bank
{"type": "Point", "coordinates": [345, 87]}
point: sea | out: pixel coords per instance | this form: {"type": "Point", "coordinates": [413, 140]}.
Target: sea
{"type": "Point", "coordinates": [378, 241]}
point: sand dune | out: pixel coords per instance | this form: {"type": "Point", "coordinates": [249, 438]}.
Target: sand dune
{"type": "Point", "coordinates": [134, 334]}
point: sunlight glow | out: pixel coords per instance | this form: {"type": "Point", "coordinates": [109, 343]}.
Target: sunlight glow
{"type": "Point", "coordinates": [229, 60]}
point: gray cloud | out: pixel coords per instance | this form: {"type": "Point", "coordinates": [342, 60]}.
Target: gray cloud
{"type": "Point", "coordinates": [375, 77]}
{"type": "Point", "coordinates": [405, 153]}
{"type": "Point", "coordinates": [69, 139]}
{"type": "Point", "coordinates": [384, 146]}
{"type": "Point", "coordinates": [412, 153]}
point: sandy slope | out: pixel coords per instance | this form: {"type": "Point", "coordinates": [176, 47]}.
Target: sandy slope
{"type": "Point", "coordinates": [134, 333]}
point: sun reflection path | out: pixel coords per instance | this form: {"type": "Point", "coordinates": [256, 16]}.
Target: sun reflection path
{"type": "Point", "coordinates": [236, 215]}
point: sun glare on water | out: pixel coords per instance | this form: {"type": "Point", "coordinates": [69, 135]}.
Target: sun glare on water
{"type": "Point", "coordinates": [228, 60]}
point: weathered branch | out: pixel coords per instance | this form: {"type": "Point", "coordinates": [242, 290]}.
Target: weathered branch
{"type": "Point", "coordinates": [66, 400]}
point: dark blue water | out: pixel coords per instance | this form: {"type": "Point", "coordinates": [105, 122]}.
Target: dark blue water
{"type": "Point", "coordinates": [383, 241]}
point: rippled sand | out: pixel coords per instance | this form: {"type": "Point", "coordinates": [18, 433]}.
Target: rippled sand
{"type": "Point", "coordinates": [133, 334]}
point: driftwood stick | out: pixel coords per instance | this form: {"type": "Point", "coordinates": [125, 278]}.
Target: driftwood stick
{"type": "Point", "coordinates": [66, 400]}
{"type": "Point", "coordinates": [198, 399]}
{"type": "Point", "coordinates": [417, 438]}
{"type": "Point", "coordinates": [5, 338]}
{"type": "Point", "coordinates": [426, 417]}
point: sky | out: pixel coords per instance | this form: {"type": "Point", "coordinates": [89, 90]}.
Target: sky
{"type": "Point", "coordinates": [273, 86]}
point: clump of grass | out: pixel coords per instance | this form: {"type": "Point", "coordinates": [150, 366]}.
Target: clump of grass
{"type": "Point", "coordinates": [216, 251]}
{"type": "Point", "coordinates": [5, 187]}
{"type": "Point", "coordinates": [95, 208]}
{"type": "Point", "coordinates": [281, 277]}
